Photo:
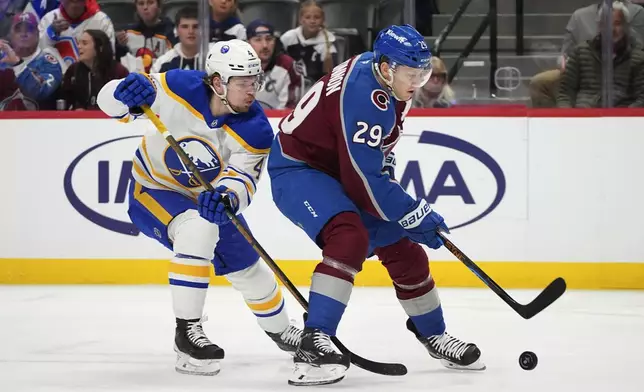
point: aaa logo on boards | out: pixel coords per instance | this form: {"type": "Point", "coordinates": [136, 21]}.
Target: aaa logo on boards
{"type": "Point", "coordinates": [97, 182]}
{"type": "Point", "coordinates": [457, 178]}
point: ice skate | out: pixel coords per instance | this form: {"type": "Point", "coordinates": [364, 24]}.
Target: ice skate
{"type": "Point", "coordinates": [196, 354]}
{"type": "Point", "coordinates": [288, 340]}
{"type": "Point", "coordinates": [453, 353]}
{"type": "Point", "coordinates": [316, 360]}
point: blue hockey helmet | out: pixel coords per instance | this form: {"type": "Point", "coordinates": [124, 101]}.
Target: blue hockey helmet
{"type": "Point", "coordinates": [402, 45]}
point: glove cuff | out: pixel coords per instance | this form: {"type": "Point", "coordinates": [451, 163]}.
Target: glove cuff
{"type": "Point", "coordinates": [415, 216]}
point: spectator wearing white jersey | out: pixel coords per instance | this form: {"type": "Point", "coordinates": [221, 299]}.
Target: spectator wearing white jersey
{"type": "Point", "coordinates": [283, 83]}
{"type": "Point", "coordinates": [62, 27]}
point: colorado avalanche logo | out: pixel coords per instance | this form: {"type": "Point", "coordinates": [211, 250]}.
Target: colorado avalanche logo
{"type": "Point", "coordinates": [380, 99]}
{"type": "Point", "coordinates": [201, 154]}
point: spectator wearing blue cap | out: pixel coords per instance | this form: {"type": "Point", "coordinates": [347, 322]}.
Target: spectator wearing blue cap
{"type": "Point", "coordinates": [283, 83]}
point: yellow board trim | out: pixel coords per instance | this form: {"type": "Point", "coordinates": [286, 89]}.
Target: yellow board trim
{"type": "Point", "coordinates": [264, 306]}
{"type": "Point", "coordinates": [446, 273]}
{"type": "Point", "coordinates": [152, 205]}
{"type": "Point", "coordinates": [243, 143]}
{"type": "Point", "coordinates": [190, 270]}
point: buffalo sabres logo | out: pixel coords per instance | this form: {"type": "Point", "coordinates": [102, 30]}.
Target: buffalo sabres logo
{"type": "Point", "coordinates": [380, 99]}
{"type": "Point", "coordinates": [201, 153]}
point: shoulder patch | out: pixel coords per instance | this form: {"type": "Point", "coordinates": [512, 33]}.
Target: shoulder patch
{"type": "Point", "coordinates": [380, 99]}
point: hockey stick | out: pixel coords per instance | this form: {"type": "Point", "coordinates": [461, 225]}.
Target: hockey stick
{"type": "Point", "coordinates": [388, 369]}
{"type": "Point", "coordinates": [550, 294]}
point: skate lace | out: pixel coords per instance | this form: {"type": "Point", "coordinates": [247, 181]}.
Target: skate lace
{"type": "Point", "coordinates": [322, 342]}
{"type": "Point", "coordinates": [196, 334]}
{"type": "Point", "coordinates": [449, 345]}
{"type": "Point", "coordinates": [292, 335]}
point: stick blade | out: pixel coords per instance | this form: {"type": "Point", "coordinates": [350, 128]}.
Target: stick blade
{"type": "Point", "coordinates": [386, 369]}
{"type": "Point", "coordinates": [550, 294]}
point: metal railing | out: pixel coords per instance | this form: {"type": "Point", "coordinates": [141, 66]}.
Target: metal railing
{"type": "Point", "coordinates": [520, 48]}
{"type": "Point", "coordinates": [490, 21]}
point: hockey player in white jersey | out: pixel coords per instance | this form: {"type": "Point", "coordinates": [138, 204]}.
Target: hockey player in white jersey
{"type": "Point", "coordinates": [215, 119]}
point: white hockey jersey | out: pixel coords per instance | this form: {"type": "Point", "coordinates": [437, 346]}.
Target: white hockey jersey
{"type": "Point", "coordinates": [67, 41]}
{"type": "Point", "coordinates": [229, 150]}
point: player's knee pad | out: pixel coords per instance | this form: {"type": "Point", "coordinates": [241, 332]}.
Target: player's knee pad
{"type": "Point", "coordinates": [408, 267]}
{"type": "Point", "coordinates": [193, 236]}
{"type": "Point", "coordinates": [345, 240]}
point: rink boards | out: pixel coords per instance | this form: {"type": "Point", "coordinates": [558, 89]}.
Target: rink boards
{"type": "Point", "coordinates": [530, 194]}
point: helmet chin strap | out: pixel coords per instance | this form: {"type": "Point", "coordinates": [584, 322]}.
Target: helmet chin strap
{"type": "Point", "coordinates": [388, 84]}
{"type": "Point", "coordinates": [223, 97]}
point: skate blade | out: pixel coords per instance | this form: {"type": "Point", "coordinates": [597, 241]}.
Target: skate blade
{"type": "Point", "coordinates": [476, 366]}
{"type": "Point", "coordinates": [197, 367]}
{"type": "Point", "coordinates": [308, 375]}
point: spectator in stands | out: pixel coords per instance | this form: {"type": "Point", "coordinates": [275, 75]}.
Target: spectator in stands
{"type": "Point", "coordinates": [581, 82]}
{"type": "Point", "coordinates": [225, 23]}
{"type": "Point", "coordinates": [8, 8]}
{"type": "Point", "coordinates": [150, 37]}
{"type": "Point", "coordinates": [10, 96]}
{"type": "Point", "coordinates": [185, 54]}
{"type": "Point", "coordinates": [436, 93]}
{"type": "Point", "coordinates": [582, 27]}
{"type": "Point", "coordinates": [38, 71]}
{"type": "Point", "coordinates": [283, 83]}
{"type": "Point", "coordinates": [63, 27]}
{"type": "Point", "coordinates": [310, 44]}
{"type": "Point", "coordinates": [95, 67]}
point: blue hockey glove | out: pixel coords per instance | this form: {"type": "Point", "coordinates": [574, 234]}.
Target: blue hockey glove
{"type": "Point", "coordinates": [135, 90]}
{"type": "Point", "coordinates": [390, 165]}
{"type": "Point", "coordinates": [423, 224]}
{"type": "Point", "coordinates": [211, 205]}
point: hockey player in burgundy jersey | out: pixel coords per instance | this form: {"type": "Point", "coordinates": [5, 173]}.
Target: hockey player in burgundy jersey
{"type": "Point", "coordinates": [330, 169]}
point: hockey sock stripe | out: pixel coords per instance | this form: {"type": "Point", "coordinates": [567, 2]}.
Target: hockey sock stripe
{"type": "Point", "coordinates": [198, 271]}
{"type": "Point", "coordinates": [268, 304]}
{"type": "Point", "coordinates": [184, 283]}
{"type": "Point", "coordinates": [271, 314]}
{"type": "Point", "coordinates": [422, 304]}
{"type": "Point", "coordinates": [332, 287]}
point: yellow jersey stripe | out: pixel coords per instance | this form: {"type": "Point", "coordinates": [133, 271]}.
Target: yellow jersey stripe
{"type": "Point", "coordinates": [177, 98]}
{"type": "Point", "coordinates": [151, 205]}
{"type": "Point", "coordinates": [243, 143]}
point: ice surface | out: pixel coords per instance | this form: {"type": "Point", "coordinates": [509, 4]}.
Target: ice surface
{"type": "Point", "coordinates": [119, 338]}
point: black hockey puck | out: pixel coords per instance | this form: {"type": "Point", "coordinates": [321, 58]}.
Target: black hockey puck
{"type": "Point", "coordinates": [528, 360]}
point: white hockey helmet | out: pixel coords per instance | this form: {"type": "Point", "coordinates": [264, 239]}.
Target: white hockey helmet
{"type": "Point", "coordinates": [232, 58]}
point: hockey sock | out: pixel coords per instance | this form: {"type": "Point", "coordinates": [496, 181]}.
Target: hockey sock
{"type": "Point", "coordinates": [189, 277]}
{"type": "Point", "coordinates": [331, 287]}
{"type": "Point", "coordinates": [263, 296]}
